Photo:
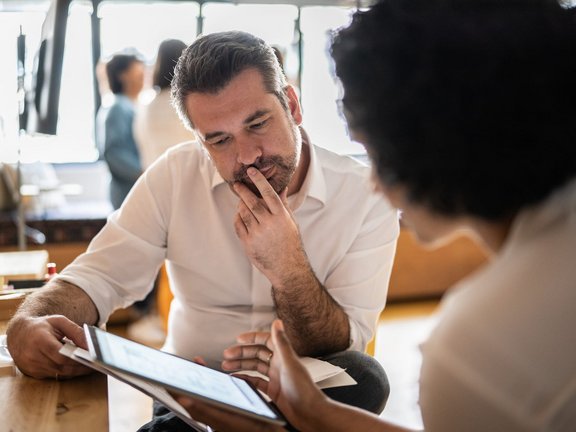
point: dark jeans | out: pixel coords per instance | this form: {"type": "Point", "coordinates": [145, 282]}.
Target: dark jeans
{"type": "Point", "coordinates": [371, 392]}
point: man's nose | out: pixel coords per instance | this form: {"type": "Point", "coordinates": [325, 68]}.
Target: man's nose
{"type": "Point", "coordinates": [248, 151]}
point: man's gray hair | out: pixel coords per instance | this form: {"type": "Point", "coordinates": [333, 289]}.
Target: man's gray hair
{"type": "Point", "coordinates": [213, 60]}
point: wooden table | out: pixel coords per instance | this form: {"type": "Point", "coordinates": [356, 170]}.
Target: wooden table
{"type": "Point", "coordinates": [31, 405]}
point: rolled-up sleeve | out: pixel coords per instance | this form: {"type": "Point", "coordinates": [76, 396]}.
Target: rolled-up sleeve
{"type": "Point", "coordinates": [360, 281]}
{"type": "Point", "coordinates": [122, 261]}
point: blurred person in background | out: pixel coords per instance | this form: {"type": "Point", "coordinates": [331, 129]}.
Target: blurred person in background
{"type": "Point", "coordinates": [125, 74]}
{"type": "Point", "coordinates": [157, 126]}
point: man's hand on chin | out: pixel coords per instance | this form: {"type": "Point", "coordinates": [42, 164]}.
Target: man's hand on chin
{"type": "Point", "coordinates": [265, 226]}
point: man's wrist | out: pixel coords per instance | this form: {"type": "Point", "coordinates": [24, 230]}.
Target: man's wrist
{"type": "Point", "coordinates": [297, 274]}
{"type": "Point", "coordinates": [13, 330]}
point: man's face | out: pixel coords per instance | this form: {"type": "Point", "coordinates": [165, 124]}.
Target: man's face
{"type": "Point", "coordinates": [243, 125]}
{"type": "Point", "coordinates": [133, 79]}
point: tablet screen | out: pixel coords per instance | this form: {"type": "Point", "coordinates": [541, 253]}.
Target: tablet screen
{"type": "Point", "coordinates": [178, 374]}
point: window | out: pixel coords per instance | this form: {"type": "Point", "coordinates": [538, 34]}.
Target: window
{"type": "Point", "coordinates": [75, 127]}
{"type": "Point", "coordinates": [30, 20]}
{"type": "Point", "coordinates": [76, 108]}
{"type": "Point", "coordinates": [320, 89]}
{"type": "Point", "coordinates": [141, 26]}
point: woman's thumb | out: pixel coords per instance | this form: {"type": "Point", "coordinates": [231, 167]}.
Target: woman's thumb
{"type": "Point", "coordinates": [279, 338]}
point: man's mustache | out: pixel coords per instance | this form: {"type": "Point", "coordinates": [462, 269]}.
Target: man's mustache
{"type": "Point", "coordinates": [242, 176]}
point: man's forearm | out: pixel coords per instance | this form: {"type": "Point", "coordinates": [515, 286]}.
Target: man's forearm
{"type": "Point", "coordinates": [60, 298]}
{"type": "Point", "coordinates": [315, 323]}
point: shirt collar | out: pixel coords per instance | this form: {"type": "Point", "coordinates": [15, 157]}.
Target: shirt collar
{"type": "Point", "coordinates": [314, 185]}
{"type": "Point", "coordinates": [217, 179]}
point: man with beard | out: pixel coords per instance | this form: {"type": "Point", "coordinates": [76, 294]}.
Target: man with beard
{"type": "Point", "coordinates": [255, 223]}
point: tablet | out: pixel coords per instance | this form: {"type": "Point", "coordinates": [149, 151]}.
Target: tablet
{"type": "Point", "coordinates": [179, 375]}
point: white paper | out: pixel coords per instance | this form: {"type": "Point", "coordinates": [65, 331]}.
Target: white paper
{"type": "Point", "coordinates": [5, 357]}
{"type": "Point", "coordinates": [324, 374]}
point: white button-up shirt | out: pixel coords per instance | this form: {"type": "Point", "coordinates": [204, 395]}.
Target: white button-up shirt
{"type": "Point", "coordinates": [157, 127]}
{"type": "Point", "coordinates": [181, 210]}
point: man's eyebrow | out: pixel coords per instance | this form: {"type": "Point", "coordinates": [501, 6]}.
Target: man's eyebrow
{"type": "Point", "coordinates": [248, 120]}
{"type": "Point", "coordinates": [256, 115]}
{"type": "Point", "coordinates": [211, 135]}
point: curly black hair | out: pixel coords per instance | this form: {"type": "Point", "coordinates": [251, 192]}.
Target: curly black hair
{"type": "Point", "coordinates": [468, 104]}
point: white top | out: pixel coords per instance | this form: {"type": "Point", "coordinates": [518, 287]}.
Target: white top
{"type": "Point", "coordinates": [503, 357]}
{"type": "Point", "coordinates": [182, 210]}
{"type": "Point", "coordinates": [157, 127]}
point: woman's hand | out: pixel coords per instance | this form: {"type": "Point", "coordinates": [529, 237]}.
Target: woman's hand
{"type": "Point", "coordinates": [290, 386]}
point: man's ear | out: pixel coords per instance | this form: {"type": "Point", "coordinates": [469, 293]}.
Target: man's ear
{"type": "Point", "coordinates": [294, 104]}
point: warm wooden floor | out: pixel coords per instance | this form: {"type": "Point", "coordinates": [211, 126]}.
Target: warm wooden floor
{"type": "Point", "coordinates": [128, 408]}
{"type": "Point", "coordinates": [402, 328]}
